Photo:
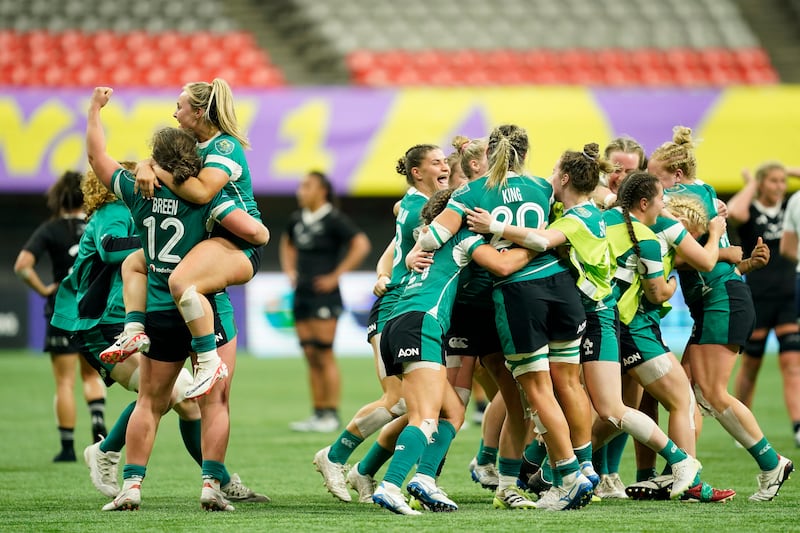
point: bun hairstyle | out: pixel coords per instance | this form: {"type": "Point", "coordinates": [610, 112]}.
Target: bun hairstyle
{"type": "Point", "coordinates": [507, 149]}
{"type": "Point", "coordinates": [584, 167]}
{"type": "Point", "coordinates": [632, 189]}
{"type": "Point", "coordinates": [175, 150]}
{"type": "Point", "coordinates": [413, 158]}
{"type": "Point", "coordinates": [435, 205]}
{"type": "Point", "coordinates": [678, 154]}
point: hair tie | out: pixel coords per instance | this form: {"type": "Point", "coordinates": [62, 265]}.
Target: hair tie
{"type": "Point", "coordinates": [210, 99]}
{"type": "Point", "coordinates": [587, 156]}
{"type": "Point", "coordinates": [461, 148]}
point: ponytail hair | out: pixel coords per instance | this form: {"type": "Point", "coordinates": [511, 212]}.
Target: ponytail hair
{"type": "Point", "coordinates": [215, 99]}
{"type": "Point", "coordinates": [507, 150]}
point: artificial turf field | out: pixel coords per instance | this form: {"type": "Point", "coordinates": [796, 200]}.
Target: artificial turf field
{"type": "Point", "coordinates": [38, 495]}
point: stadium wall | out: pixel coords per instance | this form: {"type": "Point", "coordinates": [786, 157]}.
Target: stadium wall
{"type": "Point", "coordinates": [357, 134]}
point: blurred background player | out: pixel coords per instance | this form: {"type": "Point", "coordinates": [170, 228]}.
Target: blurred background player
{"type": "Point", "coordinates": [319, 245]}
{"type": "Point", "coordinates": [58, 239]}
{"type": "Point", "coordinates": [758, 211]}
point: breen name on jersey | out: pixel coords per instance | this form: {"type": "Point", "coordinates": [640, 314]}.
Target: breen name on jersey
{"type": "Point", "coordinates": [165, 206]}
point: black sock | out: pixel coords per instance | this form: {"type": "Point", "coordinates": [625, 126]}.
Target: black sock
{"type": "Point", "coordinates": [67, 439]}
{"type": "Point", "coordinates": [97, 410]}
{"type": "Point", "coordinates": [796, 426]}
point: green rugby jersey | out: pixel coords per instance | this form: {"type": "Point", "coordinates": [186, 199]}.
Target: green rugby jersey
{"type": "Point", "coordinates": [670, 233]}
{"type": "Point", "coordinates": [406, 226]}
{"type": "Point", "coordinates": [630, 267]}
{"type": "Point", "coordinates": [168, 227]}
{"type": "Point", "coordinates": [91, 294]}
{"type": "Point", "coordinates": [589, 254]}
{"type": "Point", "coordinates": [226, 153]}
{"type": "Point", "coordinates": [693, 282]}
{"type": "Point", "coordinates": [434, 290]}
{"type": "Point", "coordinates": [525, 202]}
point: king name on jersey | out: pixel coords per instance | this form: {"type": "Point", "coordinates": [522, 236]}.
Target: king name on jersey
{"type": "Point", "coordinates": [512, 195]}
{"type": "Point", "coordinates": [165, 206]}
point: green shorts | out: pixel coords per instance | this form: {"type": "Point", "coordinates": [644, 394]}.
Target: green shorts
{"type": "Point", "coordinates": [409, 338]}
{"type": "Point", "coordinates": [94, 341]}
{"type": "Point", "coordinates": [725, 314]}
{"type": "Point", "coordinates": [640, 341]}
{"type": "Point", "coordinates": [601, 340]}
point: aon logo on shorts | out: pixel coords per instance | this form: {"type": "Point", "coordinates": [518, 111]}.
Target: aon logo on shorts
{"type": "Point", "coordinates": [632, 359]}
{"type": "Point", "coordinates": [408, 352]}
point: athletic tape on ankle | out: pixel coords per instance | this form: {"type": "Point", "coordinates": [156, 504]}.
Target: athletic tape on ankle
{"type": "Point", "coordinates": [369, 424]}
{"type": "Point", "coordinates": [190, 305]}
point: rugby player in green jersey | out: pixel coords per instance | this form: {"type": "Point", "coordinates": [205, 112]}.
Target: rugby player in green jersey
{"type": "Point", "coordinates": [411, 347]}
{"type": "Point", "coordinates": [538, 314]}
{"type": "Point", "coordinates": [722, 309]}
{"type": "Point", "coordinates": [206, 111]}
{"type": "Point", "coordinates": [168, 228]}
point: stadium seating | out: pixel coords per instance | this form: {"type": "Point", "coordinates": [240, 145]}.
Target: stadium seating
{"type": "Point", "coordinates": [619, 42]}
{"type": "Point", "coordinates": [414, 42]}
{"type": "Point", "coordinates": [147, 43]}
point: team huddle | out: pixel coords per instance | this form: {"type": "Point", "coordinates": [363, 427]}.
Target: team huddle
{"type": "Point", "coordinates": [552, 290]}
{"type": "Point", "coordinates": [559, 302]}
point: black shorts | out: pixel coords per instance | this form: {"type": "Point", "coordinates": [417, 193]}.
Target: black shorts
{"type": "Point", "coordinates": [309, 306]}
{"type": "Point", "coordinates": [255, 258]}
{"type": "Point", "coordinates": [530, 314]}
{"type": "Point", "coordinates": [59, 342]}
{"type": "Point", "coordinates": [472, 332]}
{"type": "Point", "coordinates": [170, 339]}
{"type": "Point", "coordinates": [773, 309]}
{"type": "Point", "coordinates": [639, 344]}
{"type": "Point", "coordinates": [411, 337]}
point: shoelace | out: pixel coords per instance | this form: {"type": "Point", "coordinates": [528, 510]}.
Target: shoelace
{"type": "Point", "coordinates": [237, 490]}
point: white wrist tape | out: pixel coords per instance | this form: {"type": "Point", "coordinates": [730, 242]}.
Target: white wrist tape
{"type": "Point", "coordinates": [497, 228]}
{"type": "Point", "coordinates": [534, 241]}
{"type": "Point", "coordinates": [609, 200]}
